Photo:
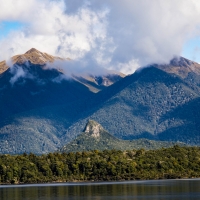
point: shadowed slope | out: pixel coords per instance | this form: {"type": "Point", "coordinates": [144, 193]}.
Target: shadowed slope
{"type": "Point", "coordinates": [135, 111]}
{"type": "Point", "coordinates": [29, 84]}
{"type": "Point", "coordinates": [149, 104]}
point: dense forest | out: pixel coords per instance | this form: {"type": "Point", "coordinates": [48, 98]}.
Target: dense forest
{"type": "Point", "coordinates": [165, 163]}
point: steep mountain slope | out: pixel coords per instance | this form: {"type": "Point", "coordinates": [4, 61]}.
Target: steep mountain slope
{"type": "Point", "coordinates": [34, 57]}
{"type": "Point", "coordinates": [181, 67]}
{"type": "Point", "coordinates": [97, 83]}
{"type": "Point", "coordinates": [3, 67]}
{"type": "Point", "coordinates": [38, 102]}
{"type": "Point", "coordinates": [95, 137]}
{"type": "Point", "coordinates": [141, 108]}
{"type": "Point", "coordinates": [30, 83]}
{"type": "Point", "coordinates": [182, 123]}
{"type": "Point", "coordinates": [36, 87]}
{"type": "Point", "coordinates": [152, 103]}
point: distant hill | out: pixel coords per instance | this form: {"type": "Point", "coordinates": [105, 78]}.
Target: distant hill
{"type": "Point", "coordinates": [95, 137]}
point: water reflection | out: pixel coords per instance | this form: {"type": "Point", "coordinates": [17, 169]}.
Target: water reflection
{"type": "Point", "coordinates": [162, 190]}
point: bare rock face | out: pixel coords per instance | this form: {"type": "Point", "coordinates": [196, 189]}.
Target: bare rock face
{"type": "Point", "coordinates": [35, 57]}
{"type": "Point", "coordinates": [93, 128]}
{"type": "Point", "coordinates": [3, 67]}
{"type": "Point", "coordinates": [181, 67]}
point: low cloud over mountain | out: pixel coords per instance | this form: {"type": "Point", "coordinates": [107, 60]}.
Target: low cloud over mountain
{"type": "Point", "coordinates": [120, 35]}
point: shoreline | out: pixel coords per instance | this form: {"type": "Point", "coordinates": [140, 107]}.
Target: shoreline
{"type": "Point", "coordinates": [77, 183]}
{"type": "Point", "coordinates": [96, 166]}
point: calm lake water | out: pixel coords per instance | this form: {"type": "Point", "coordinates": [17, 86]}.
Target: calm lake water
{"type": "Point", "coordinates": [131, 190]}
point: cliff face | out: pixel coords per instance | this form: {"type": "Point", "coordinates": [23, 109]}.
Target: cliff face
{"type": "Point", "coordinates": [93, 128]}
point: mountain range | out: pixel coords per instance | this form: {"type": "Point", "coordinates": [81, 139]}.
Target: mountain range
{"type": "Point", "coordinates": [32, 83]}
{"type": "Point", "coordinates": [42, 110]}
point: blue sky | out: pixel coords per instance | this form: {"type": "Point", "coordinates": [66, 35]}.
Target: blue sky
{"type": "Point", "coordinates": [191, 49]}
{"type": "Point", "coordinates": [6, 27]}
{"type": "Point", "coordinates": [119, 35]}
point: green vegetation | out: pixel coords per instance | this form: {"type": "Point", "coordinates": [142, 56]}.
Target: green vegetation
{"type": "Point", "coordinates": [95, 137]}
{"type": "Point", "coordinates": [151, 104]}
{"type": "Point", "coordinates": [174, 162]}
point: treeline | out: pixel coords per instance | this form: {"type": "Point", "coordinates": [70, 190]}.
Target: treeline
{"type": "Point", "coordinates": [175, 162]}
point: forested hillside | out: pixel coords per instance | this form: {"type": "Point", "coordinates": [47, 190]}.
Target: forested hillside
{"type": "Point", "coordinates": [96, 137]}
{"type": "Point", "coordinates": [153, 105]}
{"type": "Point", "coordinates": [43, 110]}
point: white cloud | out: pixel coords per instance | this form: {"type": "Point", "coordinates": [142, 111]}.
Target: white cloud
{"type": "Point", "coordinates": [49, 29]}
{"type": "Point", "coordinates": [151, 31]}
{"type": "Point", "coordinates": [122, 35]}
{"type": "Point", "coordinates": [17, 10]}
{"type": "Point", "coordinates": [19, 72]}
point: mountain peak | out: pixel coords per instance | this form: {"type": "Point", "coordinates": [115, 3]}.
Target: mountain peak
{"type": "Point", "coordinates": [35, 57]}
{"type": "Point", "coordinates": [181, 67]}
{"type": "Point", "coordinates": [93, 128]}
{"type": "Point", "coordinates": [32, 50]}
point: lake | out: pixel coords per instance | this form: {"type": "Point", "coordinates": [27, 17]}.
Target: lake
{"type": "Point", "coordinates": [129, 190]}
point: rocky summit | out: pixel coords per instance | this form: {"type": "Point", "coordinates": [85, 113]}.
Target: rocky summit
{"type": "Point", "coordinates": [93, 128]}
